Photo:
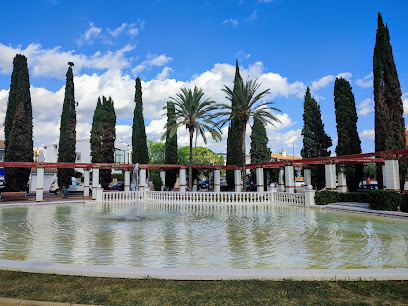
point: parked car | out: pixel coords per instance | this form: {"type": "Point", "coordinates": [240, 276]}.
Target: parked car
{"type": "Point", "coordinates": [224, 185]}
{"type": "Point", "coordinates": [74, 187]}
{"type": "Point", "coordinates": [204, 183]}
{"type": "Point", "coordinates": [367, 188]}
{"type": "Point", "coordinates": [120, 186]}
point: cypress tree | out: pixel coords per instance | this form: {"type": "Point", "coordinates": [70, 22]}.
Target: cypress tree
{"type": "Point", "coordinates": [103, 137]}
{"type": "Point", "coordinates": [259, 150]}
{"type": "Point", "coordinates": [389, 121]}
{"type": "Point", "coordinates": [67, 139]}
{"type": "Point", "coordinates": [348, 139]}
{"type": "Point", "coordinates": [18, 126]}
{"type": "Point", "coordinates": [171, 151]}
{"type": "Point", "coordinates": [315, 140]}
{"type": "Point", "coordinates": [234, 156]}
{"type": "Point", "coordinates": [140, 153]}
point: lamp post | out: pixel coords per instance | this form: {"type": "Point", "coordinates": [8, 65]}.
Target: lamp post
{"type": "Point", "coordinates": [293, 156]}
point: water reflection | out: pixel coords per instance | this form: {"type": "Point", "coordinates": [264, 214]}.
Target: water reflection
{"type": "Point", "coordinates": [207, 235]}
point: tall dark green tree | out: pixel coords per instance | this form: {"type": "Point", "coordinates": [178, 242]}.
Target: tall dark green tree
{"type": "Point", "coordinates": [234, 157]}
{"type": "Point", "coordinates": [389, 120]}
{"type": "Point", "coordinates": [67, 140]}
{"type": "Point", "coordinates": [140, 153]}
{"type": "Point", "coordinates": [348, 139]}
{"type": "Point", "coordinates": [18, 125]}
{"type": "Point", "coordinates": [315, 140]}
{"type": "Point", "coordinates": [103, 136]}
{"type": "Point", "coordinates": [260, 153]}
{"type": "Point", "coordinates": [171, 150]}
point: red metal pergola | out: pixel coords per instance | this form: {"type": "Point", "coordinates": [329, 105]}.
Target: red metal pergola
{"type": "Point", "coordinates": [376, 157]}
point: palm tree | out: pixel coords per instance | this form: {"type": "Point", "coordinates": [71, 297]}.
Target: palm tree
{"type": "Point", "coordinates": [196, 114]}
{"type": "Point", "coordinates": [248, 105]}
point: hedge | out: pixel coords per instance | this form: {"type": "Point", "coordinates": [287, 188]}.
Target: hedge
{"type": "Point", "coordinates": [385, 200]}
{"type": "Point", "coordinates": [325, 197]}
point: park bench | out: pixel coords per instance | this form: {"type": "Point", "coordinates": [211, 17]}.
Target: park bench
{"type": "Point", "coordinates": [13, 195]}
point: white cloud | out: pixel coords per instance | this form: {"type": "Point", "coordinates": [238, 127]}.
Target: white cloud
{"type": "Point", "coordinates": [326, 80]}
{"type": "Point", "coordinates": [152, 61]}
{"type": "Point", "coordinates": [164, 74]}
{"type": "Point", "coordinates": [365, 107]}
{"type": "Point", "coordinates": [234, 22]}
{"type": "Point", "coordinates": [88, 37]}
{"type": "Point", "coordinates": [367, 134]}
{"type": "Point", "coordinates": [129, 29]}
{"type": "Point", "coordinates": [253, 16]}
{"type": "Point", "coordinates": [366, 82]}
{"type": "Point", "coordinates": [405, 102]}
{"type": "Point", "coordinates": [279, 141]}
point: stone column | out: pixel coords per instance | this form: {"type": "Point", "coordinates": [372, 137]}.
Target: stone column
{"type": "Point", "coordinates": [238, 180]}
{"type": "Point", "coordinates": [280, 179]}
{"type": "Point", "coordinates": [95, 182]}
{"type": "Point", "coordinates": [342, 180]}
{"type": "Point", "coordinates": [195, 185]}
{"type": "Point", "coordinates": [384, 177]}
{"type": "Point", "coordinates": [86, 183]}
{"type": "Point", "coordinates": [183, 180]}
{"type": "Point", "coordinates": [142, 179]}
{"type": "Point", "coordinates": [330, 173]}
{"type": "Point", "coordinates": [259, 180]}
{"type": "Point", "coordinates": [163, 178]}
{"type": "Point", "coordinates": [39, 192]}
{"type": "Point", "coordinates": [217, 186]}
{"type": "Point", "coordinates": [392, 175]}
{"type": "Point", "coordinates": [307, 176]}
{"type": "Point", "coordinates": [289, 179]}
{"type": "Point", "coordinates": [309, 197]}
{"type": "Point", "coordinates": [127, 181]}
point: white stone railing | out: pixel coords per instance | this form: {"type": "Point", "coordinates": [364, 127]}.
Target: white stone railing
{"type": "Point", "coordinates": [205, 197]}
{"type": "Point", "coordinates": [297, 199]}
{"type": "Point", "coordinates": [121, 196]}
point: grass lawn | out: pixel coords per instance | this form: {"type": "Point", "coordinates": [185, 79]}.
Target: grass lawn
{"type": "Point", "coordinates": [92, 290]}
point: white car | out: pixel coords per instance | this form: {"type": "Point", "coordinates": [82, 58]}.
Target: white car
{"type": "Point", "coordinates": [74, 187]}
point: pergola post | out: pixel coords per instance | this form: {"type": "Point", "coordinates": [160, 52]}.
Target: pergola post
{"type": "Point", "coordinates": [127, 181]}
{"type": "Point", "coordinates": [183, 180]}
{"type": "Point", "coordinates": [280, 179]}
{"type": "Point", "coordinates": [237, 180]}
{"type": "Point", "coordinates": [217, 186]}
{"type": "Point", "coordinates": [330, 173]}
{"type": "Point", "coordinates": [307, 176]}
{"type": "Point", "coordinates": [289, 179]}
{"type": "Point", "coordinates": [163, 178]}
{"type": "Point", "coordinates": [342, 180]}
{"type": "Point", "coordinates": [142, 179]}
{"type": "Point", "coordinates": [259, 179]}
{"type": "Point", "coordinates": [39, 192]}
{"type": "Point", "coordinates": [86, 183]}
{"type": "Point", "coordinates": [392, 174]}
{"type": "Point", "coordinates": [95, 182]}
{"type": "Point", "coordinates": [384, 177]}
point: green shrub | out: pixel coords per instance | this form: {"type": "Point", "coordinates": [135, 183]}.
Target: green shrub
{"type": "Point", "coordinates": [385, 200]}
{"type": "Point", "coordinates": [359, 197]}
{"type": "Point", "coordinates": [325, 197]}
{"type": "Point", "coordinates": [404, 203]}
{"type": "Point", "coordinates": [119, 176]}
{"type": "Point", "coordinates": [156, 179]}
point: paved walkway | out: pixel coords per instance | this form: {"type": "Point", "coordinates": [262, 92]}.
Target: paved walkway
{"type": "Point", "coordinates": [364, 208]}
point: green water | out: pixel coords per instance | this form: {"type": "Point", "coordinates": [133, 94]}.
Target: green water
{"type": "Point", "coordinates": [266, 236]}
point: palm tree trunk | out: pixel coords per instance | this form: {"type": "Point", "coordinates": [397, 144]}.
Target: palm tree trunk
{"type": "Point", "coordinates": [243, 158]}
{"type": "Point", "coordinates": [190, 166]}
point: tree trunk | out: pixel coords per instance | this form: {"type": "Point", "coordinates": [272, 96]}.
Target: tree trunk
{"type": "Point", "coordinates": [190, 166]}
{"type": "Point", "coordinates": [243, 158]}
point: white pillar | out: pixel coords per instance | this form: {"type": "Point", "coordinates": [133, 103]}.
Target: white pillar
{"type": "Point", "coordinates": [342, 180]}
{"type": "Point", "coordinates": [127, 181]}
{"type": "Point", "coordinates": [238, 180]}
{"type": "Point", "coordinates": [95, 182]}
{"type": "Point", "coordinates": [330, 173]}
{"type": "Point", "coordinates": [163, 178]}
{"type": "Point", "coordinates": [39, 192]}
{"type": "Point", "coordinates": [195, 185]}
{"type": "Point", "coordinates": [280, 179]}
{"type": "Point", "coordinates": [142, 179]}
{"type": "Point", "coordinates": [384, 177]}
{"type": "Point", "coordinates": [183, 180]}
{"type": "Point", "coordinates": [309, 197]}
{"type": "Point", "coordinates": [308, 176]}
{"type": "Point", "coordinates": [289, 179]}
{"type": "Point", "coordinates": [99, 195]}
{"type": "Point", "coordinates": [392, 175]}
{"type": "Point", "coordinates": [217, 186]}
{"type": "Point", "coordinates": [86, 183]}
{"type": "Point", "coordinates": [259, 180]}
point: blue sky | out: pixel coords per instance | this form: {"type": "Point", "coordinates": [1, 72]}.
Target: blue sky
{"type": "Point", "coordinates": [287, 45]}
